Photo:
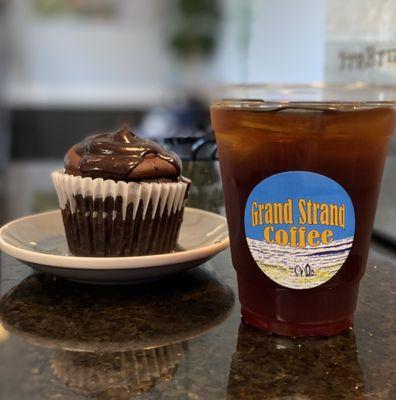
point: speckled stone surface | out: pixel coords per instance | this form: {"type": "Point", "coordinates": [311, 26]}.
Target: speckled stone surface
{"type": "Point", "coordinates": [385, 219]}
{"type": "Point", "coordinates": [56, 313]}
{"type": "Point", "coordinates": [183, 338]}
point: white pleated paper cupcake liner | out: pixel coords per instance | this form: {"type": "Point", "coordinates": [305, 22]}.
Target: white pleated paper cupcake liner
{"type": "Point", "coordinates": [168, 196]}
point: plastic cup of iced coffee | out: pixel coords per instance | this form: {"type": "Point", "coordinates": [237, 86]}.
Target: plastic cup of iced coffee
{"type": "Point", "coordinates": [301, 170]}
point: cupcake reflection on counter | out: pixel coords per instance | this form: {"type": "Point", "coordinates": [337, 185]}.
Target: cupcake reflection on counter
{"type": "Point", "coordinates": [117, 375]}
{"type": "Point", "coordinates": [121, 195]}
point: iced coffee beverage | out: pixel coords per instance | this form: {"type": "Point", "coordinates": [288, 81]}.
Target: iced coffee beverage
{"type": "Point", "coordinates": [301, 180]}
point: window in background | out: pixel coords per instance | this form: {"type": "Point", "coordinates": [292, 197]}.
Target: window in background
{"type": "Point", "coordinates": [361, 41]}
{"type": "Point", "coordinates": [83, 8]}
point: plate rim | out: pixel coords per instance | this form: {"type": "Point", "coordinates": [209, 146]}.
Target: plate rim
{"type": "Point", "coordinates": [156, 260]}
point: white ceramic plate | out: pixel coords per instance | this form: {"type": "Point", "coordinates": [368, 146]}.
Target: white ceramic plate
{"type": "Point", "coordinates": [39, 241]}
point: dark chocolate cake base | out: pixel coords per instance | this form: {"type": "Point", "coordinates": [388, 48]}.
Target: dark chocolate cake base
{"type": "Point", "coordinates": [97, 228]}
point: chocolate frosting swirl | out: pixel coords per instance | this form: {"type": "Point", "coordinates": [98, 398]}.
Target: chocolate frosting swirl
{"type": "Point", "coordinates": [121, 156]}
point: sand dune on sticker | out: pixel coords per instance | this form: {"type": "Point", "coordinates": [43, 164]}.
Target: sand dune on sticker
{"type": "Point", "coordinates": [280, 262]}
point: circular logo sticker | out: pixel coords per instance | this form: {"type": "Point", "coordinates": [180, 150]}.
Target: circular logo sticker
{"type": "Point", "coordinates": [299, 227]}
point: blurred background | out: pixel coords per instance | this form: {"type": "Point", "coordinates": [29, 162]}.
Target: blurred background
{"type": "Point", "coordinates": [69, 68]}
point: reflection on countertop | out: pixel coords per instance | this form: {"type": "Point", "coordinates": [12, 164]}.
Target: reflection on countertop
{"type": "Point", "coordinates": [312, 368]}
{"type": "Point", "coordinates": [47, 311]}
{"type": "Point", "coordinates": [115, 341]}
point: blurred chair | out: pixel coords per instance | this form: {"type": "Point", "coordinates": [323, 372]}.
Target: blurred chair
{"type": "Point", "coordinates": [204, 149]}
{"type": "Point", "coordinates": [192, 148]}
{"type": "Point", "coordinates": [183, 126]}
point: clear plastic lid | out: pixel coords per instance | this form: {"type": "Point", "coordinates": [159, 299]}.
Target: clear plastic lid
{"type": "Point", "coordinates": [331, 96]}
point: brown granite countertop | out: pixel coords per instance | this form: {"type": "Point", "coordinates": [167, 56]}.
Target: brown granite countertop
{"type": "Point", "coordinates": [182, 338]}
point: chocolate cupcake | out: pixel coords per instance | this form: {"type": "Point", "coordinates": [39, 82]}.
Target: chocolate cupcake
{"type": "Point", "coordinates": [120, 195]}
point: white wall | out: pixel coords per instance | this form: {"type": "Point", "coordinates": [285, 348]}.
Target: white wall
{"type": "Point", "coordinates": [88, 59]}
{"type": "Point", "coordinates": [288, 38]}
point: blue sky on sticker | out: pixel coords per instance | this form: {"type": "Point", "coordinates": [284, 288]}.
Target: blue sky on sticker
{"type": "Point", "coordinates": [300, 185]}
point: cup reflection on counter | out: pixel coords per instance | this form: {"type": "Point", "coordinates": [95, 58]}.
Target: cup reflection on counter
{"type": "Point", "coordinates": [115, 342]}
{"type": "Point", "coordinates": [276, 367]}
